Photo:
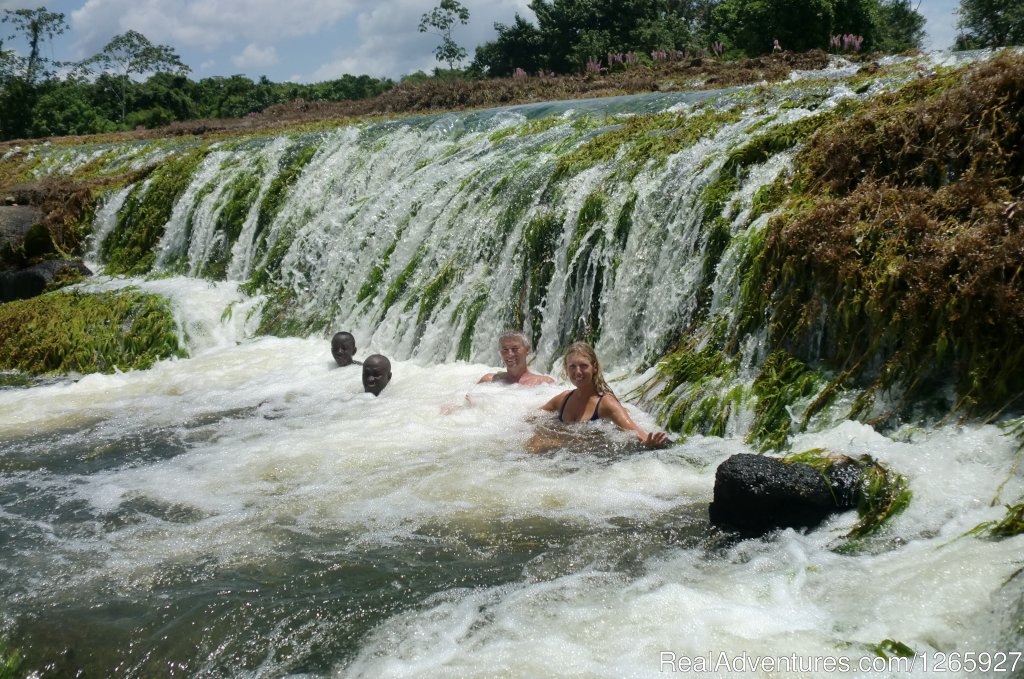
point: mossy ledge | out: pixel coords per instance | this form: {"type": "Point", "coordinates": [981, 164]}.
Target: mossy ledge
{"type": "Point", "coordinates": [890, 272]}
{"type": "Point", "coordinates": [78, 332]}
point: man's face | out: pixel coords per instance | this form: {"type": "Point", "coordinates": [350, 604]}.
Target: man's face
{"type": "Point", "coordinates": [513, 353]}
{"type": "Point", "coordinates": [343, 349]}
{"type": "Point", "coordinates": [376, 375]}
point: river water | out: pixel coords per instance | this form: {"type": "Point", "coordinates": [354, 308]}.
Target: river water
{"type": "Point", "coordinates": [248, 512]}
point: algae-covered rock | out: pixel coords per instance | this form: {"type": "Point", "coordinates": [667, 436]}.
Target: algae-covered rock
{"type": "Point", "coordinates": [63, 332]}
{"type": "Point", "coordinates": [37, 279]}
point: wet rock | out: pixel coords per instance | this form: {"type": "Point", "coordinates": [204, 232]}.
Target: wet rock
{"type": "Point", "coordinates": [755, 494]}
{"type": "Point", "coordinates": [33, 281]}
{"type": "Point", "coordinates": [15, 222]}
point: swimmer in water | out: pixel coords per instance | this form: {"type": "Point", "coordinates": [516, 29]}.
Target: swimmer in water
{"type": "Point", "coordinates": [343, 348]}
{"type": "Point", "coordinates": [514, 348]}
{"type": "Point", "coordinates": [592, 399]}
{"type": "Point", "coordinates": [376, 374]}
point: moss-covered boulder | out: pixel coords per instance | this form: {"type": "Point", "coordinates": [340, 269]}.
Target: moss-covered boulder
{"type": "Point", "coordinates": [64, 332]}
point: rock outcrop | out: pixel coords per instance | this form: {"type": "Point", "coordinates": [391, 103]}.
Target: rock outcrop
{"type": "Point", "coordinates": [755, 494]}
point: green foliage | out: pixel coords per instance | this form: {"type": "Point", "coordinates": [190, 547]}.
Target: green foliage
{"type": "Point", "coordinates": [901, 27]}
{"type": "Point", "coordinates": [645, 138]}
{"type": "Point", "coordinates": [569, 32]}
{"type": "Point", "coordinates": [465, 349]}
{"type": "Point", "coordinates": [131, 53]}
{"type": "Point", "coordinates": [290, 169]}
{"type": "Point", "coordinates": [441, 20]}
{"type": "Point", "coordinates": [990, 23]}
{"type": "Point", "coordinates": [890, 648]}
{"type": "Point", "coordinates": [10, 661]}
{"type": "Point", "coordinates": [238, 200]}
{"type": "Point", "coordinates": [66, 108]}
{"type": "Point", "coordinates": [36, 26]}
{"type": "Point", "coordinates": [1009, 526]}
{"type": "Point", "coordinates": [400, 285]}
{"type": "Point", "coordinates": [129, 248]}
{"type": "Point", "coordinates": [917, 262]}
{"type": "Point", "coordinates": [798, 25]}
{"type": "Point", "coordinates": [782, 381]}
{"type": "Point", "coordinates": [883, 495]}
{"type": "Point", "coordinates": [79, 332]}
{"type": "Point", "coordinates": [449, 276]}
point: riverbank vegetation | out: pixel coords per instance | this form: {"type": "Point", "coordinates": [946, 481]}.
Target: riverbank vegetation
{"type": "Point", "coordinates": [81, 332]}
{"type": "Point", "coordinates": [568, 49]}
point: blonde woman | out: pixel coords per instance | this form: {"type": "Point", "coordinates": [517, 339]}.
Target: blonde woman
{"type": "Point", "coordinates": [592, 399]}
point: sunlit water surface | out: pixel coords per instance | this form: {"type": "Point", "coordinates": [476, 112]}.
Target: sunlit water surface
{"type": "Point", "coordinates": [249, 512]}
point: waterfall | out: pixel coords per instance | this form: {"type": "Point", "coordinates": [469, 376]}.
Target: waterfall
{"type": "Point", "coordinates": [249, 511]}
{"type": "Point", "coordinates": [429, 235]}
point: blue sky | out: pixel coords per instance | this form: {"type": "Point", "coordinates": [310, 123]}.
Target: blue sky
{"type": "Point", "coordinates": [308, 40]}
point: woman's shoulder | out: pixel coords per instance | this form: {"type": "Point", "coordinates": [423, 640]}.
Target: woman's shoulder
{"type": "Point", "coordinates": [556, 401]}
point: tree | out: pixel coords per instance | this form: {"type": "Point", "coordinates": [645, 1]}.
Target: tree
{"type": "Point", "coordinates": [442, 20]}
{"type": "Point", "coordinates": [901, 27]}
{"type": "Point", "coordinates": [133, 53]}
{"type": "Point", "coordinates": [37, 25]}
{"type": "Point", "coordinates": [517, 46]}
{"type": "Point", "coordinates": [798, 25]}
{"type": "Point", "coordinates": [990, 23]}
{"type": "Point", "coordinates": [569, 32]}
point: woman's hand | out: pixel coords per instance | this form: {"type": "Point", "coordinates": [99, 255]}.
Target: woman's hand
{"type": "Point", "coordinates": [655, 439]}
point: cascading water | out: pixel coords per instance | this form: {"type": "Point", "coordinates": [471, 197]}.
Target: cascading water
{"type": "Point", "coordinates": [248, 511]}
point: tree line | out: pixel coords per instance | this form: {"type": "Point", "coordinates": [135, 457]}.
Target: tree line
{"type": "Point", "coordinates": [107, 92]}
{"type": "Point", "coordinates": [40, 97]}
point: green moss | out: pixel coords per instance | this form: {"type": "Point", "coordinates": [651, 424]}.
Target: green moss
{"type": "Point", "coordinates": [10, 661]}
{"type": "Point", "coordinates": [290, 169]}
{"type": "Point", "coordinates": [591, 213]}
{"type": "Point", "coordinates": [466, 338]}
{"type": "Point", "coordinates": [86, 332]}
{"type": "Point", "coordinates": [883, 495]}
{"type": "Point", "coordinates": [890, 648]}
{"type": "Point", "coordinates": [646, 138]}
{"type": "Point", "coordinates": [782, 381]}
{"type": "Point", "coordinates": [529, 128]}
{"type": "Point", "coordinates": [129, 249]}
{"type": "Point", "coordinates": [282, 316]}
{"type": "Point", "coordinates": [540, 242]}
{"type": "Point", "coordinates": [770, 197]}
{"type": "Point", "coordinates": [401, 283]}
{"type": "Point", "coordinates": [238, 199]}
{"type": "Point", "coordinates": [1010, 525]}
{"type": "Point", "coordinates": [624, 222]}
{"type": "Point", "coordinates": [914, 284]}
{"type": "Point", "coordinates": [449, 276]}
{"type": "Point", "coordinates": [698, 394]}
{"type": "Point", "coordinates": [716, 195]}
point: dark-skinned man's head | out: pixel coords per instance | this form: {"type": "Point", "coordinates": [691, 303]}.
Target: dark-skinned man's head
{"type": "Point", "coordinates": [343, 348]}
{"type": "Point", "coordinates": [376, 374]}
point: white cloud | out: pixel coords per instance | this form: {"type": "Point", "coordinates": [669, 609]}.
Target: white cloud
{"type": "Point", "coordinates": [205, 24]}
{"type": "Point", "coordinates": [255, 56]}
{"type": "Point", "coordinates": [390, 44]}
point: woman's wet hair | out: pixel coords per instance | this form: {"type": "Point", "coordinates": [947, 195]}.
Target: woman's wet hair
{"type": "Point", "coordinates": [584, 349]}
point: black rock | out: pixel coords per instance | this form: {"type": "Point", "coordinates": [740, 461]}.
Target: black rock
{"type": "Point", "coordinates": [26, 283]}
{"type": "Point", "coordinates": [755, 494]}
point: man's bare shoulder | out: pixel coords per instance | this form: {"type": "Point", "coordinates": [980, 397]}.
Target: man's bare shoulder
{"type": "Point", "coordinates": [489, 377]}
{"type": "Point", "coordinates": [533, 380]}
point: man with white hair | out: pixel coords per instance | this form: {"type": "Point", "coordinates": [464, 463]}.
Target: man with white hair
{"type": "Point", "coordinates": [514, 347]}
